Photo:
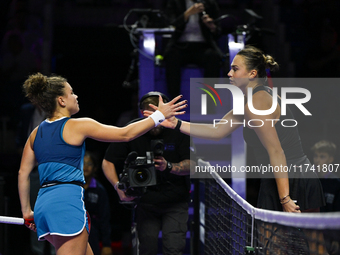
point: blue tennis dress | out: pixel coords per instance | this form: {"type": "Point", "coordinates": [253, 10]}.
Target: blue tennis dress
{"type": "Point", "coordinates": [60, 208]}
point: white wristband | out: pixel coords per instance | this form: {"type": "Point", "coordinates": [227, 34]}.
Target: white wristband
{"type": "Point", "coordinates": [157, 117]}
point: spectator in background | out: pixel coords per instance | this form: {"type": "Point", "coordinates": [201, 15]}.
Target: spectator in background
{"type": "Point", "coordinates": [324, 153]}
{"type": "Point", "coordinates": [97, 205]}
{"type": "Point", "coordinates": [194, 40]}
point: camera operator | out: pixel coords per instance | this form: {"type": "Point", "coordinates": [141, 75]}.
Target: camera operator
{"type": "Point", "coordinates": [163, 206]}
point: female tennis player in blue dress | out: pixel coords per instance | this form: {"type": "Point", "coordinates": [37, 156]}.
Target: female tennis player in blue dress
{"type": "Point", "coordinates": [57, 144]}
{"type": "Point", "coordinates": [273, 144]}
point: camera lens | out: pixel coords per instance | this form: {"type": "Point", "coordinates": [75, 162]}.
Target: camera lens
{"type": "Point", "coordinates": [141, 175]}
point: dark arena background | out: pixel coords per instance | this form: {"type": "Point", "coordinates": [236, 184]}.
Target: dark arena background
{"type": "Point", "coordinates": [86, 42]}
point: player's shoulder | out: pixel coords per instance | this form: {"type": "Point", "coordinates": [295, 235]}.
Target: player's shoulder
{"type": "Point", "coordinates": [81, 120]}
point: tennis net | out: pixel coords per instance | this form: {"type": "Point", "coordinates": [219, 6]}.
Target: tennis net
{"type": "Point", "coordinates": [230, 225]}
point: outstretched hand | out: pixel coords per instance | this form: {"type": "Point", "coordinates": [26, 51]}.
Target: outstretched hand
{"type": "Point", "coordinates": [171, 108]}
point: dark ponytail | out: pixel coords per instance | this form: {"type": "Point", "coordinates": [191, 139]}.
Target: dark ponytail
{"type": "Point", "coordinates": [43, 91]}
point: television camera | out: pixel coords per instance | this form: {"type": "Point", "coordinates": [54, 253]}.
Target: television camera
{"type": "Point", "coordinates": [140, 172]}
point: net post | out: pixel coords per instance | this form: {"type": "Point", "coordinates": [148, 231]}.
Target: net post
{"type": "Point", "coordinates": [252, 227]}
